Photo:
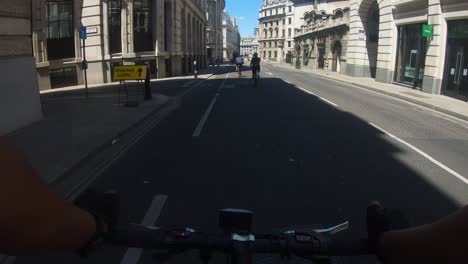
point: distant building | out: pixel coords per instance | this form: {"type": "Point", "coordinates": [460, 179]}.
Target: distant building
{"type": "Point", "coordinates": [231, 36]}
{"type": "Point", "coordinates": [322, 32]}
{"type": "Point", "coordinates": [276, 32]}
{"type": "Point", "coordinates": [214, 14]}
{"type": "Point", "coordinates": [20, 101]}
{"type": "Point", "coordinates": [248, 46]}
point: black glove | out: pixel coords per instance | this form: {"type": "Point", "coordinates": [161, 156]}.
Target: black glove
{"type": "Point", "coordinates": [105, 207]}
{"type": "Point", "coordinates": [381, 220]}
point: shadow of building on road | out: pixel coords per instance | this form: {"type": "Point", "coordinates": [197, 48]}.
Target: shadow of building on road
{"type": "Point", "coordinates": [283, 153]}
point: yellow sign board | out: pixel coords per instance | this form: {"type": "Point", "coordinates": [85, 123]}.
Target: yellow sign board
{"type": "Point", "coordinates": [122, 73]}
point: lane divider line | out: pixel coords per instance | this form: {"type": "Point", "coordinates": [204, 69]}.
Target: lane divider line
{"type": "Point", "coordinates": [207, 113]}
{"type": "Point", "coordinates": [328, 101]}
{"type": "Point", "coordinates": [319, 97]}
{"type": "Point", "coordinates": [133, 255]}
{"type": "Point", "coordinates": [422, 153]}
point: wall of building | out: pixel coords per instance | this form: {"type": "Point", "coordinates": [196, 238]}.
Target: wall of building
{"type": "Point", "coordinates": [166, 49]}
{"type": "Point", "coordinates": [214, 33]}
{"type": "Point", "coordinates": [20, 102]}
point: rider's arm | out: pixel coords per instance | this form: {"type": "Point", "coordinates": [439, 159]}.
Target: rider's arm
{"type": "Point", "coordinates": [33, 218]}
{"type": "Point", "coordinates": [445, 241]}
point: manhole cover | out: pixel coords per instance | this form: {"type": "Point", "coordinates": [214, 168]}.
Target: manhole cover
{"type": "Point", "coordinates": [414, 95]}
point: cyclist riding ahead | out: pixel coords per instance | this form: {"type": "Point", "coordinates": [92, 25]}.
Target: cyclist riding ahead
{"type": "Point", "coordinates": [255, 66]}
{"type": "Point", "coordinates": [35, 220]}
{"type": "Point", "coordinates": [239, 63]}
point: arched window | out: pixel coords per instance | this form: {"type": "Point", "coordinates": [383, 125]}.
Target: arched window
{"type": "Point", "coordinates": [338, 14]}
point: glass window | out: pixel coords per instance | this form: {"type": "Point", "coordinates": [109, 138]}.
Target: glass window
{"type": "Point", "coordinates": [411, 55]}
{"type": "Point", "coordinates": [276, 11]}
{"type": "Point", "coordinates": [277, 22]}
{"type": "Point", "coordinates": [289, 44]}
{"type": "Point", "coordinates": [269, 54]}
{"type": "Point", "coordinates": [283, 33]}
{"type": "Point", "coordinates": [284, 21]}
{"type": "Point", "coordinates": [271, 12]}
{"type": "Point", "coordinates": [276, 54]}
{"type": "Point", "coordinates": [290, 8]}
{"type": "Point", "coordinates": [60, 38]}
{"type": "Point", "coordinates": [63, 77]}
{"type": "Point", "coordinates": [289, 32]}
{"type": "Point", "coordinates": [115, 29]}
{"type": "Point", "coordinates": [284, 10]}
{"type": "Point", "coordinates": [289, 21]}
{"type": "Point", "coordinates": [276, 44]}
{"type": "Point", "coordinates": [142, 25]}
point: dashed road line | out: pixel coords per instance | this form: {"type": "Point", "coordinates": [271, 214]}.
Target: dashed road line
{"type": "Point", "coordinates": [205, 116]}
{"type": "Point", "coordinates": [133, 255]}
{"type": "Point", "coordinates": [328, 101]}
{"type": "Point", "coordinates": [422, 153]}
{"type": "Point", "coordinates": [321, 98]}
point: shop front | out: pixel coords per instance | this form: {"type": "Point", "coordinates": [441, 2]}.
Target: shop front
{"type": "Point", "coordinates": [455, 82]}
{"type": "Point", "coordinates": [411, 55]}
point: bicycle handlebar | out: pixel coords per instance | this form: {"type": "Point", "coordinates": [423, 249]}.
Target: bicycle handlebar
{"type": "Point", "coordinates": [139, 236]}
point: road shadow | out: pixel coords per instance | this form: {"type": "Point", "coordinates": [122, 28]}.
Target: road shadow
{"type": "Point", "coordinates": [288, 156]}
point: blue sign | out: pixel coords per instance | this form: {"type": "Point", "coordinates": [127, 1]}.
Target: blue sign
{"type": "Point", "coordinates": [82, 32]}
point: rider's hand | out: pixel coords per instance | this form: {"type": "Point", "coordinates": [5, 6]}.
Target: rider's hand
{"type": "Point", "coordinates": [381, 220]}
{"type": "Point", "coordinates": [104, 205]}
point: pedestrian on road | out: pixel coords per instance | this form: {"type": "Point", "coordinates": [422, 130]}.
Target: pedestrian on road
{"type": "Point", "coordinates": [148, 93]}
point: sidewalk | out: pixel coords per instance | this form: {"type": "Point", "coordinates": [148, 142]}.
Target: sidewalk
{"type": "Point", "coordinates": [74, 128]}
{"type": "Point", "coordinates": [441, 103]}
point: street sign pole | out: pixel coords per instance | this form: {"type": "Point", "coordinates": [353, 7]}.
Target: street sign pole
{"type": "Point", "coordinates": [84, 64]}
{"type": "Point", "coordinates": [85, 68]}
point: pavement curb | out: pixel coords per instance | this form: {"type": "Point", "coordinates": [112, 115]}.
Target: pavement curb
{"type": "Point", "coordinates": [405, 98]}
{"type": "Point", "coordinates": [109, 142]}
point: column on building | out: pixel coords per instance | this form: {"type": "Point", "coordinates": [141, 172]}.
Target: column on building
{"type": "Point", "coordinates": [370, 52]}
{"type": "Point", "coordinates": [20, 101]}
{"type": "Point", "coordinates": [433, 70]}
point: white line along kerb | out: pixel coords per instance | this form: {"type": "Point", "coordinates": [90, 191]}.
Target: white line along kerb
{"type": "Point", "coordinates": [422, 153]}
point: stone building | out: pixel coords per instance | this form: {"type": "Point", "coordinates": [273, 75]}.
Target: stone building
{"type": "Point", "coordinates": [322, 29]}
{"type": "Point", "coordinates": [20, 102]}
{"type": "Point", "coordinates": [248, 46]}
{"type": "Point", "coordinates": [230, 36]}
{"type": "Point", "coordinates": [169, 35]}
{"type": "Point", "coordinates": [214, 35]}
{"type": "Point", "coordinates": [421, 44]}
{"type": "Point", "coordinates": [276, 29]}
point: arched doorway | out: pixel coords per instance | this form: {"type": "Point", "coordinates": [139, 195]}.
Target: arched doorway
{"type": "Point", "coordinates": [369, 13]}
{"type": "Point", "coordinates": [336, 56]}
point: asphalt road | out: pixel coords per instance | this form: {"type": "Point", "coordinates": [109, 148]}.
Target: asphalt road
{"type": "Point", "coordinates": [296, 150]}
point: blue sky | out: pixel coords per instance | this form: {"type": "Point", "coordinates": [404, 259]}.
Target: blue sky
{"type": "Point", "coordinates": [246, 12]}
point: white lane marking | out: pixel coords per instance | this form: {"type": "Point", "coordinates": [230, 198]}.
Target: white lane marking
{"type": "Point", "coordinates": [307, 91]}
{"type": "Point", "coordinates": [422, 153]}
{"type": "Point", "coordinates": [328, 101]}
{"type": "Point", "coordinates": [321, 98]}
{"type": "Point", "coordinates": [205, 116]}
{"type": "Point", "coordinates": [133, 255]}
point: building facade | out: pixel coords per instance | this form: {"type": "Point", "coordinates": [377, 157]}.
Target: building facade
{"type": "Point", "coordinates": [214, 32]}
{"type": "Point", "coordinates": [276, 29]}
{"type": "Point", "coordinates": [230, 36]}
{"type": "Point", "coordinates": [416, 43]}
{"type": "Point", "coordinates": [248, 46]}
{"type": "Point", "coordinates": [20, 101]}
{"type": "Point", "coordinates": [322, 33]}
{"type": "Point", "coordinates": [118, 32]}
